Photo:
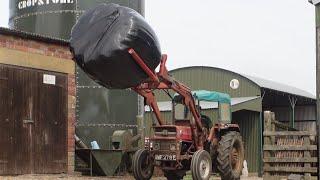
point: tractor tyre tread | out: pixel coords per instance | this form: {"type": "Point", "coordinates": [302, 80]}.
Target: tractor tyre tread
{"type": "Point", "coordinates": [195, 162]}
{"type": "Point", "coordinates": [223, 158]}
{"type": "Point", "coordinates": [136, 166]}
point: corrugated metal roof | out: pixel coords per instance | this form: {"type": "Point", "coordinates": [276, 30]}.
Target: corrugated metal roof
{"type": "Point", "coordinates": [167, 106]}
{"type": "Point", "coordinates": [34, 36]}
{"type": "Point", "coordinates": [268, 84]}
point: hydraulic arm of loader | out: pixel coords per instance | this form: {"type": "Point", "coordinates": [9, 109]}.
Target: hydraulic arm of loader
{"type": "Point", "coordinates": [162, 80]}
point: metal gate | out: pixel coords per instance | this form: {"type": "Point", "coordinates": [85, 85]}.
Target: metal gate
{"type": "Point", "coordinates": [33, 119]}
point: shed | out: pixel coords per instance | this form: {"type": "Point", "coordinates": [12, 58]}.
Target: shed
{"type": "Point", "coordinates": [37, 104]}
{"type": "Point", "coordinates": [250, 96]}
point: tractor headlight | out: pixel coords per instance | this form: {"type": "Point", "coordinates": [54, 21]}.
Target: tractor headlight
{"type": "Point", "coordinates": [172, 147]}
{"type": "Point", "coordinates": [156, 146]}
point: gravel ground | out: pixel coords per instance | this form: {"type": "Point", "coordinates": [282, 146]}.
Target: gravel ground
{"type": "Point", "coordinates": [80, 177]}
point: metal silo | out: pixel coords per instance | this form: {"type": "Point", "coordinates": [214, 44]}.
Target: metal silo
{"type": "Point", "coordinates": [56, 17]}
{"type": "Point", "coordinates": [99, 111]}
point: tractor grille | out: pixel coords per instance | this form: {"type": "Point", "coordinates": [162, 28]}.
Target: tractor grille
{"type": "Point", "coordinates": [164, 145]}
{"type": "Point", "coordinates": [166, 135]}
{"type": "Point", "coordinates": [166, 132]}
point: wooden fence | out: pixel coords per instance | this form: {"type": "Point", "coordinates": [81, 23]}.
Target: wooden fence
{"type": "Point", "coordinates": [287, 151]}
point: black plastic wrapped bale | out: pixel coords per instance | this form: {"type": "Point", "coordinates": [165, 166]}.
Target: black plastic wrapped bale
{"type": "Point", "coordinates": [100, 41]}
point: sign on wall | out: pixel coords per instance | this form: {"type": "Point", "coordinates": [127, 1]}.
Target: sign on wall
{"type": "Point", "coordinates": [234, 84]}
{"type": "Point", "coordinates": [49, 79]}
{"type": "Point", "coordinates": [33, 3]}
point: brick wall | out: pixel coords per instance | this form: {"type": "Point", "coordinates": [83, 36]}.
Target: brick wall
{"type": "Point", "coordinates": [33, 46]}
{"type": "Point", "coordinates": [58, 51]}
{"type": "Point", "coordinates": [71, 122]}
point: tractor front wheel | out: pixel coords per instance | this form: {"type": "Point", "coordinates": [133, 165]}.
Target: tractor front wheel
{"type": "Point", "coordinates": [230, 156]}
{"type": "Point", "coordinates": [142, 166]}
{"type": "Point", "coordinates": [201, 165]}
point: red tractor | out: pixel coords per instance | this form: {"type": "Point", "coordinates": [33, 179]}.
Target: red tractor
{"type": "Point", "coordinates": [191, 143]}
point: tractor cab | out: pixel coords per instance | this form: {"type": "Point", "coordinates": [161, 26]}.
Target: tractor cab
{"type": "Point", "coordinates": [204, 99]}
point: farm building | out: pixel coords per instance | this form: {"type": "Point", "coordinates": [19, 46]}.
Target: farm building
{"type": "Point", "coordinates": [40, 34]}
{"type": "Point", "coordinates": [37, 104]}
{"type": "Point", "coordinates": [250, 96]}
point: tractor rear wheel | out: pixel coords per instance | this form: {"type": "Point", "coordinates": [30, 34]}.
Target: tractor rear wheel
{"type": "Point", "coordinates": [142, 167]}
{"type": "Point", "coordinates": [201, 165]}
{"type": "Point", "coordinates": [230, 156]}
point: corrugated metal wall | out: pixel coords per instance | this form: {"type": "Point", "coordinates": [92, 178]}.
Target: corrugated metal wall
{"type": "Point", "coordinates": [305, 116]}
{"type": "Point", "coordinates": [100, 111]}
{"type": "Point", "coordinates": [305, 113]}
{"type": "Point", "coordinates": [249, 127]}
{"type": "Point", "coordinates": [282, 113]}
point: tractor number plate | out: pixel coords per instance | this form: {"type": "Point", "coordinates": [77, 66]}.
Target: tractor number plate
{"type": "Point", "coordinates": [161, 157]}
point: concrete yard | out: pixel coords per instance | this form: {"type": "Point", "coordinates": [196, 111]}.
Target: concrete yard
{"type": "Point", "coordinates": [80, 177]}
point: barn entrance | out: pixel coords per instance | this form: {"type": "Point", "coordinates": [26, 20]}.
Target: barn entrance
{"type": "Point", "coordinates": [33, 116]}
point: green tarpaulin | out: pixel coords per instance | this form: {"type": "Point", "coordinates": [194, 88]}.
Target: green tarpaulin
{"type": "Point", "coordinates": [212, 96]}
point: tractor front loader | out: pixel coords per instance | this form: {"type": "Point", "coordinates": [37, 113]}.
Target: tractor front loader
{"type": "Point", "coordinates": [191, 143]}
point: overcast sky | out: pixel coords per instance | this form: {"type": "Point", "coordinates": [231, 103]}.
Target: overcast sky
{"type": "Point", "coordinates": [270, 39]}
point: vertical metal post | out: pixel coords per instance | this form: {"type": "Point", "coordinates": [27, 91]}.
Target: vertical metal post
{"type": "Point", "coordinates": [293, 102]}
{"type": "Point", "coordinates": [318, 78]}
{"type": "Point", "coordinates": [260, 171]}
{"type": "Point", "coordinates": [261, 129]}
{"type": "Point", "coordinates": [293, 117]}
{"type": "Point", "coordinates": [90, 162]}
{"type": "Point", "coordinates": [317, 9]}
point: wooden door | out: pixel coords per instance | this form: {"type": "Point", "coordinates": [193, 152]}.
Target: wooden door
{"type": "Point", "coordinates": [51, 144]}
{"type": "Point", "coordinates": [6, 124]}
{"type": "Point", "coordinates": [33, 119]}
{"type": "Point", "coordinates": [24, 89]}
